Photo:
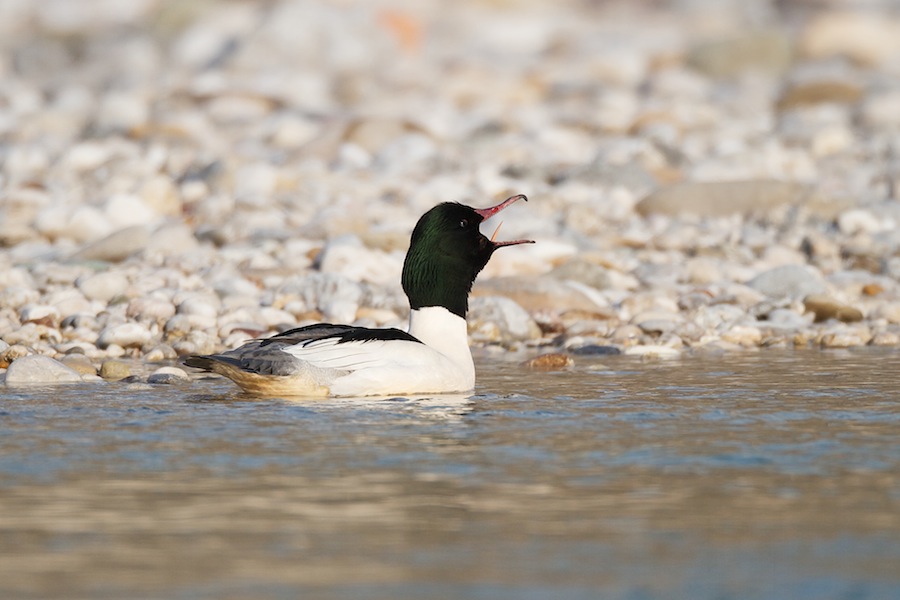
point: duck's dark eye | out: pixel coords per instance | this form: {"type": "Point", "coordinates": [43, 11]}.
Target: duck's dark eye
{"type": "Point", "coordinates": [463, 223]}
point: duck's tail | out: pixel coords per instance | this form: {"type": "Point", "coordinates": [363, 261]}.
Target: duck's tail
{"type": "Point", "coordinates": [259, 382]}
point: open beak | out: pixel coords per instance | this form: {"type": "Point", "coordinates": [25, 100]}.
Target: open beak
{"type": "Point", "coordinates": [487, 213]}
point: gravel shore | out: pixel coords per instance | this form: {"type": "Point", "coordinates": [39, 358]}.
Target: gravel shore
{"type": "Point", "coordinates": [703, 175]}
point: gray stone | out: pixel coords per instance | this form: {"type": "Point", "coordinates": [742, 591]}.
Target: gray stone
{"type": "Point", "coordinates": [37, 369]}
{"type": "Point", "coordinates": [722, 198]}
{"type": "Point", "coordinates": [793, 281]}
{"type": "Point", "coordinates": [595, 350]}
{"type": "Point", "coordinates": [497, 319]}
{"type": "Point", "coordinates": [784, 319]}
{"type": "Point", "coordinates": [171, 239]}
{"type": "Point", "coordinates": [103, 286]}
{"type": "Point", "coordinates": [583, 271]}
{"type": "Point", "coordinates": [537, 293]}
{"type": "Point", "coordinates": [168, 375]}
{"type": "Point", "coordinates": [760, 50]}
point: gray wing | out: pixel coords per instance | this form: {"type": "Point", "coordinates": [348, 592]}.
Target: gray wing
{"type": "Point", "coordinates": [267, 357]}
{"type": "Point", "coordinates": [251, 357]}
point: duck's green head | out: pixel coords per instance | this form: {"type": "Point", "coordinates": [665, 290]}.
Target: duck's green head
{"type": "Point", "coordinates": [446, 252]}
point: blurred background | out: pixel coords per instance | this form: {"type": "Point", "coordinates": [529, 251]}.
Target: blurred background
{"type": "Point", "coordinates": [326, 117]}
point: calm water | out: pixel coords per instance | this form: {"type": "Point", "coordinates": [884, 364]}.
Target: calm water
{"type": "Point", "coordinates": [771, 475]}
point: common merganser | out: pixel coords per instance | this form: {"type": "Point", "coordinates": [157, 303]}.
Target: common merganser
{"type": "Point", "coordinates": [446, 253]}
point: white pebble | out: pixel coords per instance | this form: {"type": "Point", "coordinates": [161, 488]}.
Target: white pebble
{"type": "Point", "coordinates": [199, 305]}
{"type": "Point", "coordinates": [103, 286]}
{"type": "Point", "coordinates": [125, 210]}
{"type": "Point", "coordinates": [39, 312]}
{"type": "Point", "coordinates": [859, 220]}
{"type": "Point", "coordinates": [652, 351]}
{"type": "Point", "coordinates": [15, 297]}
{"type": "Point", "coordinates": [180, 325]}
{"type": "Point", "coordinates": [126, 335]}
{"type": "Point", "coordinates": [154, 309]}
{"type": "Point", "coordinates": [36, 369]}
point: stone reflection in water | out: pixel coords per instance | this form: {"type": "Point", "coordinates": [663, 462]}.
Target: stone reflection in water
{"type": "Point", "coordinates": [770, 476]}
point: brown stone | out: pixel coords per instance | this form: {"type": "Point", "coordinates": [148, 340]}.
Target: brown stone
{"type": "Point", "coordinates": [79, 363]}
{"type": "Point", "coordinates": [552, 361]}
{"type": "Point", "coordinates": [819, 92]}
{"type": "Point", "coordinates": [872, 289]}
{"type": "Point", "coordinates": [827, 308]}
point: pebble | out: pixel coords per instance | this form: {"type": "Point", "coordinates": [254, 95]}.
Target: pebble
{"type": "Point", "coordinates": [553, 361]}
{"type": "Point", "coordinates": [743, 335]}
{"type": "Point", "coordinates": [199, 305]}
{"type": "Point", "coordinates": [825, 307]}
{"type": "Point", "coordinates": [721, 198]}
{"type": "Point", "coordinates": [789, 281]}
{"type": "Point", "coordinates": [766, 50]}
{"type": "Point", "coordinates": [347, 256]}
{"type": "Point", "coordinates": [171, 239]}
{"type": "Point", "coordinates": [336, 296]}
{"type": "Point", "coordinates": [116, 246]}
{"type": "Point", "coordinates": [114, 370]}
{"type": "Point", "coordinates": [37, 369]}
{"type": "Point", "coordinates": [595, 350]}
{"type": "Point", "coordinates": [125, 335]}
{"type": "Point", "coordinates": [889, 311]}
{"type": "Point", "coordinates": [652, 351]}
{"type": "Point", "coordinates": [16, 297]}
{"type": "Point", "coordinates": [844, 339]}
{"type": "Point", "coordinates": [879, 109]}
{"type": "Point", "coordinates": [181, 325]}
{"type": "Point", "coordinates": [498, 319]}
{"type": "Point", "coordinates": [784, 319]}
{"type": "Point", "coordinates": [885, 338]}
{"type": "Point", "coordinates": [103, 286]}
{"type": "Point", "coordinates": [80, 364]}
{"type": "Point", "coordinates": [539, 293]}
{"type": "Point", "coordinates": [866, 37]}
{"type": "Point", "coordinates": [10, 352]}
{"type": "Point", "coordinates": [583, 271]}
{"type": "Point", "coordinates": [657, 322]}
{"type": "Point", "coordinates": [160, 353]}
{"type": "Point", "coordinates": [150, 309]}
{"type": "Point", "coordinates": [855, 221]}
{"type": "Point", "coordinates": [168, 375]}
{"type": "Point", "coordinates": [40, 314]}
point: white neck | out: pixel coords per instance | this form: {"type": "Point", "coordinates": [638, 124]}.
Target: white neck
{"type": "Point", "coordinates": [445, 332]}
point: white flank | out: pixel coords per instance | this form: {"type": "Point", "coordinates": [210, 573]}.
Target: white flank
{"type": "Point", "coordinates": [441, 363]}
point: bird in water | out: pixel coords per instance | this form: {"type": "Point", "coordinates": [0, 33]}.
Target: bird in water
{"type": "Point", "coordinates": [446, 252]}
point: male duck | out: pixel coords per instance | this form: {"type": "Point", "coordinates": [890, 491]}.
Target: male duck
{"type": "Point", "coordinates": [446, 253]}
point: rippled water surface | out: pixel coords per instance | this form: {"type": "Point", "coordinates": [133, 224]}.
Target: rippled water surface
{"type": "Point", "coordinates": [770, 475]}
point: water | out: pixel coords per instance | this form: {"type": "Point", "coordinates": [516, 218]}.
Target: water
{"type": "Point", "coordinates": [770, 475]}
